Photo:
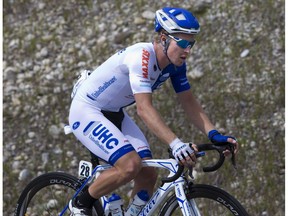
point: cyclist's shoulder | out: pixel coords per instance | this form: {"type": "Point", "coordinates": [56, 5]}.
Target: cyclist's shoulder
{"type": "Point", "coordinates": [137, 50]}
{"type": "Point", "coordinates": [141, 46]}
{"type": "Point", "coordinates": [138, 54]}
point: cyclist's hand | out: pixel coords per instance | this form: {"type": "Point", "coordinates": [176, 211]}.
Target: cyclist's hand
{"type": "Point", "coordinates": [183, 153]}
{"type": "Point", "coordinates": [215, 137]}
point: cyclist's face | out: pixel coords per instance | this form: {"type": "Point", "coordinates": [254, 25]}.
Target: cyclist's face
{"type": "Point", "coordinates": [176, 51]}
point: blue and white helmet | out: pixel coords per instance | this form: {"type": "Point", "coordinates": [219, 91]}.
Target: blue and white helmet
{"type": "Point", "coordinates": [176, 20]}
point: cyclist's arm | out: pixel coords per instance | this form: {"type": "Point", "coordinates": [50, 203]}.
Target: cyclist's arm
{"type": "Point", "coordinates": [152, 118]}
{"type": "Point", "coordinates": [198, 117]}
{"type": "Point", "coordinates": [195, 111]}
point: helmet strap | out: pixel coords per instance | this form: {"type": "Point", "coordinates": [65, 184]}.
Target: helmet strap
{"type": "Point", "coordinates": [165, 44]}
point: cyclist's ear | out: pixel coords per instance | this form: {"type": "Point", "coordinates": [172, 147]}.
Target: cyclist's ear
{"type": "Point", "coordinates": [163, 41]}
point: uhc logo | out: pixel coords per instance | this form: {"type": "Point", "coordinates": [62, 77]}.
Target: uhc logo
{"type": "Point", "coordinates": [99, 134]}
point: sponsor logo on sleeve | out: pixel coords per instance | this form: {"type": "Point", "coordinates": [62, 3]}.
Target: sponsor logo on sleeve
{"type": "Point", "coordinates": [145, 61]}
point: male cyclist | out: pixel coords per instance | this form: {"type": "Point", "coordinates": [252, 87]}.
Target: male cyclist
{"type": "Point", "coordinates": [99, 121]}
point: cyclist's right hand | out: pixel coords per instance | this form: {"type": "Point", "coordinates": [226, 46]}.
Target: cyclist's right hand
{"type": "Point", "coordinates": [183, 153]}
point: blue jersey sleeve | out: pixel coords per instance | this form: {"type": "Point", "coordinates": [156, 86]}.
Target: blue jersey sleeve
{"type": "Point", "coordinates": [179, 78]}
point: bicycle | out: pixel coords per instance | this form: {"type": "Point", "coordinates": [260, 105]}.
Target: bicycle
{"type": "Point", "coordinates": [49, 194]}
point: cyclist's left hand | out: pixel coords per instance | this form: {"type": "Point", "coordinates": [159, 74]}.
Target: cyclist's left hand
{"type": "Point", "coordinates": [215, 137]}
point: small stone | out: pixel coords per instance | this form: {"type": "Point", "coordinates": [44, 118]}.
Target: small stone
{"type": "Point", "coordinates": [244, 53]}
{"type": "Point", "coordinates": [23, 175]}
{"type": "Point", "coordinates": [139, 21]}
{"type": "Point", "coordinates": [148, 15]}
{"type": "Point", "coordinates": [196, 73]}
{"type": "Point", "coordinates": [52, 204]}
{"type": "Point", "coordinates": [44, 52]}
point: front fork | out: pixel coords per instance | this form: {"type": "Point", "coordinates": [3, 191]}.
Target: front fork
{"type": "Point", "coordinates": [187, 206]}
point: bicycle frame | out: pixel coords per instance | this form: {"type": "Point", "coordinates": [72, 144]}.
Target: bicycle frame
{"type": "Point", "coordinates": [162, 192]}
{"type": "Point", "coordinates": [159, 195]}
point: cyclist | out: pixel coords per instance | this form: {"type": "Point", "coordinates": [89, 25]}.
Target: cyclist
{"type": "Point", "coordinates": [99, 121]}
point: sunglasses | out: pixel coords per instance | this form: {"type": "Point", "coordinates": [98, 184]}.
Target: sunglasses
{"type": "Point", "coordinates": [182, 43]}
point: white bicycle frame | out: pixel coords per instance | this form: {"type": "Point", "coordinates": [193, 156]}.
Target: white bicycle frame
{"type": "Point", "coordinates": [188, 207]}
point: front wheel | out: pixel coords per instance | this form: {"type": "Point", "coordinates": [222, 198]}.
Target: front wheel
{"type": "Point", "coordinates": [49, 194]}
{"type": "Point", "coordinates": [206, 201]}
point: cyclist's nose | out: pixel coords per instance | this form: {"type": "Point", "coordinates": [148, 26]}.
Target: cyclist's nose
{"type": "Point", "coordinates": [187, 49]}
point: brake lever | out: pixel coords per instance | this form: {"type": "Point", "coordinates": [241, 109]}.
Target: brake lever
{"type": "Point", "coordinates": [233, 159]}
{"type": "Point", "coordinates": [190, 169]}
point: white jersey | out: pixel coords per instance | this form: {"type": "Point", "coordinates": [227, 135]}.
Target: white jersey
{"type": "Point", "coordinates": [130, 71]}
{"type": "Point", "coordinates": [96, 115]}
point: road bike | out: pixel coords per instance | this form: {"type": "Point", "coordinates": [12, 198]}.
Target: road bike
{"type": "Point", "coordinates": [50, 193]}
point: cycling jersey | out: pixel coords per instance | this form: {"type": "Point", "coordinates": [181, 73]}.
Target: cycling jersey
{"type": "Point", "coordinates": [130, 71]}
{"type": "Point", "coordinates": [111, 87]}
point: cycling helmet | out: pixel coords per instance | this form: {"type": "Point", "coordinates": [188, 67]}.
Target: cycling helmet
{"type": "Point", "coordinates": [176, 20]}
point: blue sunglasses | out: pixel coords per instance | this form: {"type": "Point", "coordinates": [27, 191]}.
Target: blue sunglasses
{"type": "Point", "coordinates": [183, 43]}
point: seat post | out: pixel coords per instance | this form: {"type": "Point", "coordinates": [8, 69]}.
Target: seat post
{"type": "Point", "coordinates": [94, 160]}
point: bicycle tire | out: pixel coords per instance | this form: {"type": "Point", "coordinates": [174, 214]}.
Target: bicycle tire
{"type": "Point", "coordinates": [210, 201]}
{"type": "Point", "coordinates": [48, 194]}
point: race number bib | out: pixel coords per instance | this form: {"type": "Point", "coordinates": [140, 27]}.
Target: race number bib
{"type": "Point", "coordinates": [85, 169]}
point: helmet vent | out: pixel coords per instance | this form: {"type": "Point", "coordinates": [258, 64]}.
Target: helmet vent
{"type": "Point", "coordinates": [180, 17]}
